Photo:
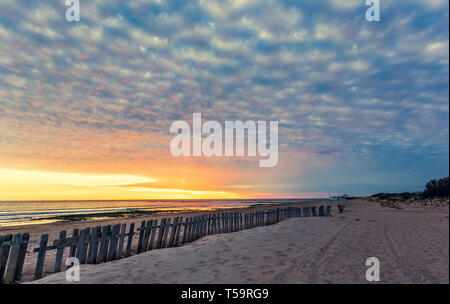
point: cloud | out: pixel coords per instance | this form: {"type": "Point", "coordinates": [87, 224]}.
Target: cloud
{"type": "Point", "coordinates": [107, 88]}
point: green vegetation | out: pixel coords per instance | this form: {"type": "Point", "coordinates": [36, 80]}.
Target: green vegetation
{"type": "Point", "coordinates": [437, 188]}
{"type": "Point", "coordinates": [433, 188]}
{"type": "Point", "coordinates": [404, 196]}
{"type": "Point", "coordinates": [436, 194]}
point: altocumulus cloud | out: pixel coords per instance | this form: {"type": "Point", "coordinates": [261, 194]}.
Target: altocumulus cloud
{"type": "Point", "coordinates": [356, 101]}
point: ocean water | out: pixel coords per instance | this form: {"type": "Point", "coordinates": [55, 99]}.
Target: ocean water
{"type": "Point", "coordinates": [38, 212]}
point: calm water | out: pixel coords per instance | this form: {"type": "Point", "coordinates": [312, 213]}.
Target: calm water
{"type": "Point", "coordinates": [34, 212]}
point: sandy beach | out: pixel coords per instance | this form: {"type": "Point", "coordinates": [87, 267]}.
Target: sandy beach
{"type": "Point", "coordinates": [412, 245]}
{"type": "Point", "coordinates": [53, 230]}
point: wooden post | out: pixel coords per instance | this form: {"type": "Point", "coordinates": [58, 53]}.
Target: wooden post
{"type": "Point", "coordinates": [321, 211]}
{"type": "Point", "coordinates": [123, 232]}
{"type": "Point", "coordinates": [224, 222]}
{"type": "Point", "coordinates": [306, 211]}
{"type": "Point", "coordinates": [166, 232]}
{"type": "Point", "coordinates": [104, 241]}
{"type": "Point", "coordinates": [231, 221]}
{"type": "Point", "coordinates": [213, 223]}
{"type": "Point", "coordinates": [81, 250]}
{"type": "Point", "coordinates": [204, 225]}
{"type": "Point", "coordinates": [13, 258]}
{"type": "Point", "coordinates": [5, 244]}
{"type": "Point", "coordinates": [219, 226]}
{"type": "Point", "coordinates": [186, 223]}
{"type": "Point", "coordinates": [172, 232]}
{"type": "Point", "coordinates": [313, 211]}
{"type": "Point", "coordinates": [177, 234]}
{"type": "Point", "coordinates": [113, 242]}
{"type": "Point", "coordinates": [194, 229]}
{"type": "Point", "coordinates": [59, 252]}
{"type": "Point", "coordinates": [328, 210]}
{"type": "Point", "coordinates": [41, 257]}
{"type": "Point", "coordinates": [200, 227]}
{"type": "Point", "coordinates": [141, 237]}
{"type": "Point", "coordinates": [21, 256]}
{"type": "Point", "coordinates": [146, 238]}
{"type": "Point", "coordinates": [189, 234]}
{"type": "Point", "coordinates": [73, 248]}
{"type": "Point", "coordinates": [209, 226]}
{"type": "Point", "coordinates": [152, 236]}
{"type": "Point", "coordinates": [130, 240]}
{"type": "Point", "coordinates": [93, 244]}
{"type": "Point", "coordinates": [161, 233]}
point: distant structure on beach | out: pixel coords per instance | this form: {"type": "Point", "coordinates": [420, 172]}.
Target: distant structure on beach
{"type": "Point", "coordinates": [338, 197]}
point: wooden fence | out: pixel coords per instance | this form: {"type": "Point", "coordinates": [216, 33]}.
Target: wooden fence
{"type": "Point", "coordinates": [94, 245]}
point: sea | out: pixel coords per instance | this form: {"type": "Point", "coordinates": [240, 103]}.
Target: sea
{"type": "Point", "coordinates": [17, 213]}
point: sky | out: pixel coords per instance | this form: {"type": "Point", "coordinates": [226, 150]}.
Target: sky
{"type": "Point", "coordinates": [86, 107]}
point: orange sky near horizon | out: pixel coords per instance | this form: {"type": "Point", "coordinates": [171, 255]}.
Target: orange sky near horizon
{"type": "Point", "coordinates": [24, 185]}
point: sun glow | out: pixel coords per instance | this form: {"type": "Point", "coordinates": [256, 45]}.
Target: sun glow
{"type": "Point", "coordinates": [39, 185]}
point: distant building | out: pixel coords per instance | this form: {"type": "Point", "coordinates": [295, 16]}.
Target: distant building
{"type": "Point", "coordinates": [338, 197]}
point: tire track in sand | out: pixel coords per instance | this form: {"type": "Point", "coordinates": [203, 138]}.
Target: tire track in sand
{"type": "Point", "coordinates": [322, 255]}
{"type": "Point", "coordinates": [415, 277]}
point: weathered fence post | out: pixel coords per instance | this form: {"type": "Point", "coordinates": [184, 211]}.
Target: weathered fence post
{"type": "Point", "coordinates": [190, 229]}
{"type": "Point", "coordinates": [5, 243]}
{"type": "Point", "coordinates": [41, 257]}
{"type": "Point", "coordinates": [306, 211]}
{"type": "Point", "coordinates": [328, 210]}
{"type": "Point", "coordinates": [17, 253]}
{"type": "Point", "coordinates": [321, 211]}
{"type": "Point", "coordinates": [130, 240]}
{"type": "Point", "coordinates": [103, 254]}
{"type": "Point", "coordinates": [166, 231]}
{"type": "Point", "coordinates": [177, 235]}
{"type": "Point", "coordinates": [121, 241]}
{"type": "Point", "coordinates": [113, 242]}
{"type": "Point", "coordinates": [82, 249]}
{"type": "Point", "coordinates": [185, 230]}
{"type": "Point", "coordinates": [73, 248]}
{"type": "Point", "coordinates": [146, 237]}
{"type": "Point", "coordinates": [162, 226]}
{"type": "Point", "coordinates": [93, 245]}
{"type": "Point", "coordinates": [141, 237]}
{"type": "Point", "coordinates": [172, 232]}
{"type": "Point", "coordinates": [152, 236]}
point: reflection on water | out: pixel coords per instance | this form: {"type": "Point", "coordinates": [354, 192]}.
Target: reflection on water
{"type": "Point", "coordinates": [39, 212]}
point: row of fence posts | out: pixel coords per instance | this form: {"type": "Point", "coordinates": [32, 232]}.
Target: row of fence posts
{"type": "Point", "coordinates": [94, 245]}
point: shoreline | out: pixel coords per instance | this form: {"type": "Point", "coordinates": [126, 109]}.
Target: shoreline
{"type": "Point", "coordinates": [107, 220]}
{"type": "Point", "coordinates": [173, 207]}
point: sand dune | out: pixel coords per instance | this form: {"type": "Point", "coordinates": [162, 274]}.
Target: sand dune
{"type": "Point", "coordinates": [412, 245]}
